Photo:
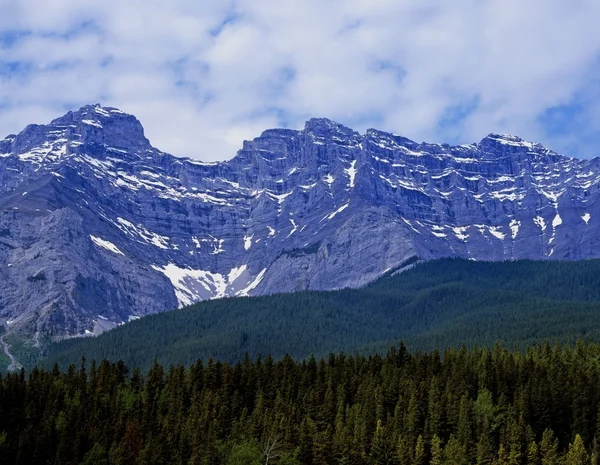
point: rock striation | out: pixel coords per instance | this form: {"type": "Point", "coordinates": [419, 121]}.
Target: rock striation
{"type": "Point", "coordinates": [97, 227]}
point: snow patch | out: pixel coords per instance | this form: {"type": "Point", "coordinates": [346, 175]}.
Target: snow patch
{"type": "Point", "coordinates": [294, 228]}
{"type": "Point", "coordinates": [90, 122]}
{"type": "Point", "coordinates": [586, 218]}
{"type": "Point", "coordinates": [279, 197]}
{"type": "Point", "coordinates": [557, 221]}
{"type": "Point", "coordinates": [540, 222]}
{"type": "Point", "coordinates": [351, 172]}
{"type": "Point", "coordinates": [247, 242]}
{"type": "Point", "coordinates": [147, 236]}
{"type": "Point", "coordinates": [217, 246]}
{"type": "Point", "coordinates": [101, 111]}
{"type": "Point", "coordinates": [459, 232]}
{"type": "Point", "coordinates": [235, 273]}
{"type": "Point", "coordinates": [495, 231]}
{"type": "Point", "coordinates": [106, 245]}
{"type": "Point", "coordinates": [514, 228]}
{"type": "Point", "coordinates": [339, 210]}
{"type": "Point", "coordinates": [411, 226]}
{"type": "Point", "coordinates": [253, 284]}
{"type": "Point", "coordinates": [193, 286]}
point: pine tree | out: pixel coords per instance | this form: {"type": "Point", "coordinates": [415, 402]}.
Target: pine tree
{"type": "Point", "coordinates": [484, 411]}
{"type": "Point", "coordinates": [503, 458]}
{"type": "Point", "coordinates": [515, 439]}
{"type": "Point", "coordinates": [577, 454]}
{"type": "Point", "coordinates": [420, 456]}
{"type": "Point", "coordinates": [434, 411]}
{"type": "Point", "coordinates": [436, 451]}
{"type": "Point", "coordinates": [404, 450]}
{"type": "Point", "coordinates": [305, 444]}
{"type": "Point", "coordinates": [533, 456]}
{"type": "Point", "coordinates": [96, 456]}
{"type": "Point", "coordinates": [549, 449]}
{"type": "Point", "coordinates": [455, 453]}
{"type": "Point", "coordinates": [485, 450]}
{"type": "Point", "coordinates": [322, 450]}
{"type": "Point", "coordinates": [382, 452]}
{"type": "Point", "coordinates": [465, 429]}
{"type": "Point", "coordinates": [413, 417]}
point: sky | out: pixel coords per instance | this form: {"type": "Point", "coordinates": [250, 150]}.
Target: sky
{"type": "Point", "coordinates": [204, 75]}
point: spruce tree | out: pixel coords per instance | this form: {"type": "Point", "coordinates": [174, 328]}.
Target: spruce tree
{"type": "Point", "coordinates": [436, 451]}
{"type": "Point", "coordinates": [420, 454]}
{"type": "Point", "coordinates": [577, 455]}
{"type": "Point", "coordinates": [549, 448]}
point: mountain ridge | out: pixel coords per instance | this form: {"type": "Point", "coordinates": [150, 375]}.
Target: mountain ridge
{"type": "Point", "coordinates": [98, 227]}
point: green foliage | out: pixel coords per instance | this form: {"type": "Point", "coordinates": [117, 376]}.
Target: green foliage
{"type": "Point", "coordinates": [96, 456]}
{"type": "Point", "coordinates": [4, 361]}
{"type": "Point", "coordinates": [577, 454]}
{"type": "Point", "coordinates": [436, 451]}
{"type": "Point", "coordinates": [462, 407]}
{"type": "Point", "coordinates": [22, 349]}
{"type": "Point", "coordinates": [288, 459]}
{"type": "Point", "coordinates": [533, 454]}
{"type": "Point", "coordinates": [549, 448]}
{"type": "Point", "coordinates": [432, 306]}
{"type": "Point", "coordinates": [247, 453]}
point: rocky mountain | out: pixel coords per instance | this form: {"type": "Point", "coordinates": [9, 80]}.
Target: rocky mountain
{"type": "Point", "coordinates": [97, 227]}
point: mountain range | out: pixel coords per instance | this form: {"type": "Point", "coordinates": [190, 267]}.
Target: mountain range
{"type": "Point", "coordinates": [98, 227]}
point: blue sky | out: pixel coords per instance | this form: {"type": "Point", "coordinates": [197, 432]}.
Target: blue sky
{"type": "Point", "coordinates": [204, 75]}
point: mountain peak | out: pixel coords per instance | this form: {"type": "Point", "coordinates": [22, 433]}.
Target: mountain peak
{"type": "Point", "coordinates": [95, 112]}
{"type": "Point", "coordinates": [93, 129]}
{"type": "Point", "coordinates": [507, 140]}
{"type": "Point", "coordinates": [325, 127]}
{"type": "Point", "coordinates": [95, 125]}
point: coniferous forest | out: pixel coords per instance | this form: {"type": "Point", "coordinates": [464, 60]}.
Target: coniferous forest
{"type": "Point", "coordinates": [435, 305]}
{"type": "Point", "coordinates": [464, 406]}
{"type": "Point", "coordinates": [176, 388]}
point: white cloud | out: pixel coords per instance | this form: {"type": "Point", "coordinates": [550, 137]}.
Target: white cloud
{"type": "Point", "coordinates": [203, 76]}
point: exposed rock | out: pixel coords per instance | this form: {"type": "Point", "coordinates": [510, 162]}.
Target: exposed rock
{"type": "Point", "coordinates": [98, 227]}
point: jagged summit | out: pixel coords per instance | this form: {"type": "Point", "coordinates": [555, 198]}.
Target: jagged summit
{"type": "Point", "coordinates": [92, 130]}
{"type": "Point", "coordinates": [110, 127]}
{"type": "Point", "coordinates": [98, 227]}
{"type": "Point", "coordinates": [92, 112]}
{"type": "Point", "coordinates": [509, 141]}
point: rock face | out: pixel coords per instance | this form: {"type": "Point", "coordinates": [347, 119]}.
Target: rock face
{"type": "Point", "coordinates": [98, 227]}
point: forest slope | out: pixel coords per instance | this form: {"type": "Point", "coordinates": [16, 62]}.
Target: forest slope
{"type": "Point", "coordinates": [436, 304]}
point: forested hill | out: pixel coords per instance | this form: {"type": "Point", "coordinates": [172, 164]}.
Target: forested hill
{"type": "Point", "coordinates": [436, 304]}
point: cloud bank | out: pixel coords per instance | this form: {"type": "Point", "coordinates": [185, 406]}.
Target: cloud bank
{"type": "Point", "coordinates": [203, 76]}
